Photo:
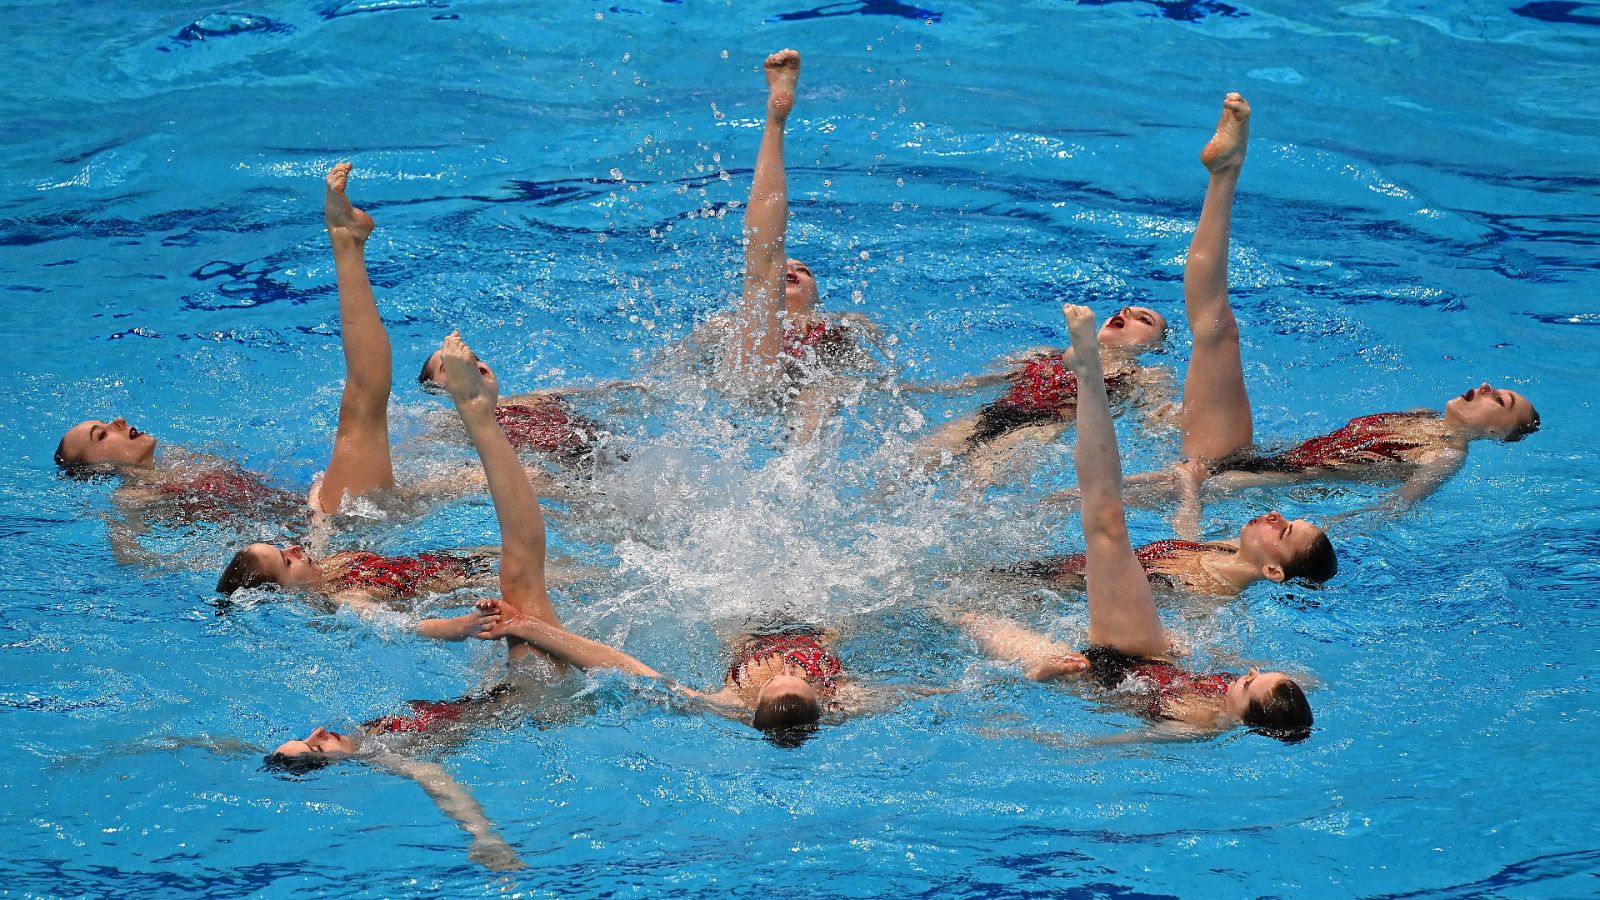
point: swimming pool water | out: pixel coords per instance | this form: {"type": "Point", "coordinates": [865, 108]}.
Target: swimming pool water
{"type": "Point", "coordinates": [561, 181]}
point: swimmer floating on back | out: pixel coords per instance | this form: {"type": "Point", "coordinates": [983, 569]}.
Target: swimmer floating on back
{"type": "Point", "coordinates": [1216, 412]}
{"type": "Point", "coordinates": [777, 341]}
{"type": "Point", "coordinates": [361, 463]}
{"type": "Point", "coordinates": [189, 486]}
{"type": "Point", "coordinates": [392, 741]}
{"type": "Point", "coordinates": [1042, 396]}
{"type": "Point", "coordinates": [1420, 448]}
{"type": "Point", "coordinates": [1128, 644]}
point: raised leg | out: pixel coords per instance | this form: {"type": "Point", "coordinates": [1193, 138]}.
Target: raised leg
{"type": "Point", "coordinates": [360, 462]}
{"type": "Point", "coordinates": [1216, 408]}
{"type": "Point", "coordinates": [753, 348]}
{"type": "Point", "coordinates": [1122, 611]}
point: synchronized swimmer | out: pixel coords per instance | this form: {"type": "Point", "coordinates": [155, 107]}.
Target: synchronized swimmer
{"type": "Point", "coordinates": [778, 351]}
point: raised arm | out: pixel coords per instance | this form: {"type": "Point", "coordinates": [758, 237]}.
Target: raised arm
{"type": "Point", "coordinates": [522, 532]}
{"type": "Point", "coordinates": [1216, 408]}
{"type": "Point", "coordinates": [1122, 611]}
{"type": "Point", "coordinates": [757, 335]}
{"type": "Point", "coordinates": [360, 461]}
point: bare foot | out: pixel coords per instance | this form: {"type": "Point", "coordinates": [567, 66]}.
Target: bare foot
{"type": "Point", "coordinates": [1085, 337]}
{"type": "Point", "coordinates": [1225, 151]}
{"type": "Point", "coordinates": [783, 72]}
{"type": "Point", "coordinates": [343, 219]}
{"type": "Point", "coordinates": [467, 386]}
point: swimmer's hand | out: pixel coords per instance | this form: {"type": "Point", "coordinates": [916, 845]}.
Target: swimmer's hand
{"type": "Point", "coordinates": [496, 618]}
{"type": "Point", "coordinates": [1065, 667]}
{"type": "Point", "coordinates": [492, 852]}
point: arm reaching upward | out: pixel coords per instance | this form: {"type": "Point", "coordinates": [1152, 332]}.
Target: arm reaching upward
{"type": "Point", "coordinates": [522, 532]}
{"type": "Point", "coordinates": [360, 461]}
{"type": "Point", "coordinates": [1122, 611]}
{"type": "Point", "coordinates": [757, 336]}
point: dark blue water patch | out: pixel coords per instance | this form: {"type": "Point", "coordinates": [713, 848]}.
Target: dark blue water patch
{"type": "Point", "coordinates": [1559, 11]}
{"type": "Point", "coordinates": [1184, 11]}
{"type": "Point", "coordinates": [357, 7]}
{"type": "Point", "coordinates": [1576, 318]}
{"type": "Point", "coordinates": [225, 25]}
{"type": "Point", "coordinates": [1527, 872]}
{"type": "Point", "coordinates": [26, 289]}
{"type": "Point", "coordinates": [862, 8]}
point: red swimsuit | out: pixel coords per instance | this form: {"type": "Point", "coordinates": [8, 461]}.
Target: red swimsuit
{"type": "Point", "coordinates": [1363, 441]}
{"type": "Point", "coordinates": [815, 340]}
{"type": "Point", "coordinates": [549, 427]}
{"type": "Point", "coordinates": [223, 493]}
{"type": "Point", "coordinates": [1077, 564]}
{"type": "Point", "coordinates": [803, 651]}
{"type": "Point", "coordinates": [426, 714]}
{"type": "Point", "coordinates": [1157, 681]}
{"type": "Point", "coordinates": [401, 577]}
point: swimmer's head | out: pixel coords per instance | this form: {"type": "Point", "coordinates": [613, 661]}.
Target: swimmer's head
{"type": "Point", "coordinates": [1270, 703]}
{"type": "Point", "coordinates": [1487, 411]}
{"type": "Point", "coordinates": [1134, 328]}
{"type": "Point", "coordinates": [799, 287]}
{"type": "Point", "coordinates": [319, 748]}
{"type": "Point", "coordinates": [263, 564]}
{"type": "Point", "coordinates": [432, 377]}
{"type": "Point", "coordinates": [787, 710]}
{"type": "Point", "coordinates": [1282, 549]}
{"type": "Point", "coordinates": [95, 447]}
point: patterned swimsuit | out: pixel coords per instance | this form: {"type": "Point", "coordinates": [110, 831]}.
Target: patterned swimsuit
{"type": "Point", "coordinates": [1363, 441]}
{"type": "Point", "coordinates": [401, 577]}
{"type": "Point", "coordinates": [1042, 390]}
{"type": "Point", "coordinates": [551, 427]}
{"type": "Point", "coordinates": [221, 494]}
{"type": "Point", "coordinates": [803, 651]}
{"type": "Point", "coordinates": [1156, 682]}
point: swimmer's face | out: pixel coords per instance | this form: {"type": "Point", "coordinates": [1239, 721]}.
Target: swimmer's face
{"type": "Point", "coordinates": [322, 742]}
{"type": "Point", "coordinates": [799, 287]}
{"type": "Point", "coordinates": [1272, 542]}
{"type": "Point", "coordinates": [1255, 686]}
{"type": "Point", "coordinates": [1137, 328]}
{"type": "Point", "coordinates": [433, 372]}
{"type": "Point", "coordinates": [110, 443]}
{"type": "Point", "coordinates": [1491, 411]}
{"type": "Point", "coordinates": [289, 566]}
{"type": "Point", "coordinates": [790, 681]}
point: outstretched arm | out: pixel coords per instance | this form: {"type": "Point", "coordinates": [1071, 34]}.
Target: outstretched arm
{"type": "Point", "coordinates": [1216, 408]}
{"type": "Point", "coordinates": [1042, 659]}
{"type": "Point", "coordinates": [757, 335]}
{"type": "Point", "coordinates": [560, 643]}
{"type": "Point", "coordinates": [1122, 611]}
{"type": "Point", "coordinates": [360, 461]}
{"type": "Point", "coordinates": [489, 849]}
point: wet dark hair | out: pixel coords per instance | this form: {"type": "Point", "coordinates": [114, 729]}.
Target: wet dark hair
{"type": "Point", "coordinates": [77, 469]}
{"type": "Point", "coordinates": [296, 764]}
{"type": "Point", "coordinates": [427, 381]}
{"type": "Point", "coordinates": [1285, 715]}
{"type": "Point", "coordinates": [787, 720]}
{"type": "Point", "coordinates": [1525, 429]}
{"type": "Point", "coordinates": [996, 419]}
{"type": "Point", "coordinates": [1317, 564]}
{"type": "Point", "coordinates": [243, 571]}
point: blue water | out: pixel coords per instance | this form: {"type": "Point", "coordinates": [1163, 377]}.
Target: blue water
{"type": "Point", "coordinates": [1418, 214]}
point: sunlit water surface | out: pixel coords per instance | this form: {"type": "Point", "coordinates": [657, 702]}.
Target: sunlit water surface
{"type": "Point", "coordinates": [562, 182]}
